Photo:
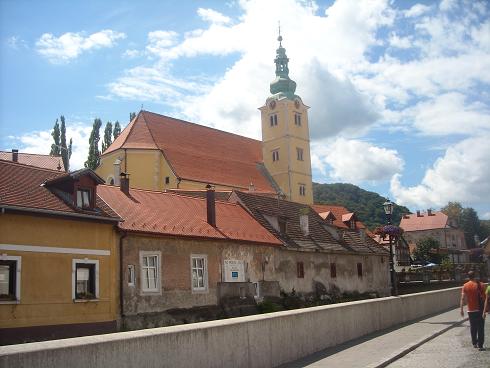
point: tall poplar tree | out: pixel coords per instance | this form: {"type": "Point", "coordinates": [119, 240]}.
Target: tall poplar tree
{"type": "Point", "coordinates": [107, 136]}
{"type": "Point", "coordinates": [117, 130]}
{"type": "Point", "coordinates": [93, 158]}
{"type": "Point", "coordinates": [132, 115]}
{"type": "Point", "coordinates": [55, 147]}
{"type": "Point", "coordinates": [65, 154]}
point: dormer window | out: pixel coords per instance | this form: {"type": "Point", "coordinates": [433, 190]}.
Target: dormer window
{"type": "Point", "coordinates": [283, 225]}
{"type": "Point", "coordinates": [84, 198]}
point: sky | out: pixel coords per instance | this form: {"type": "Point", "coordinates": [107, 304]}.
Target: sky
{"type": "Point", "coordinates": [399, 90]}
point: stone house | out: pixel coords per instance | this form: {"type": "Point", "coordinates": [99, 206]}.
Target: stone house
{"type": "Point", "coordinates": [436, 225]}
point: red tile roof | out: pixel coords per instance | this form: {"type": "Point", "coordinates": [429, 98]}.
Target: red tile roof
{"type": "Point", "coordinates": [22, 187]}
{"type": "Point", "coordinates": [341, 214]}
{"type": "Point", "coordinates": [168, 213]}
{"type": "Point", "coordinates": [196, 152]}
{"type": "Point", "coordinates": [34, 159]}
{"type": "Point", "coordinates": [412, 222]}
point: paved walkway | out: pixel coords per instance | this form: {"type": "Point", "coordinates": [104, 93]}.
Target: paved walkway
{"type": "Point", "coordinates": [381, 349]}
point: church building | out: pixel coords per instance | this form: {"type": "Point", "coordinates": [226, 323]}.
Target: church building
{"type": "Point", "coordinates": [160, 152]}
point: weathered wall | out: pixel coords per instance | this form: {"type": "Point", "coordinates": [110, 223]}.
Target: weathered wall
{"type": "Point", "coordinates": [256, 341]}
{"type": "Point", "coordinates": [375, 272]}
{"type": "Point", "coordinates": [46, 277]}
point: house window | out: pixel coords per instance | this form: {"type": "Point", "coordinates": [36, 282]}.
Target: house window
{"type": "Point", "coordinates": [167, 180]}
{"type": "Point", "coordinates": [83, 198]}
{"type": "Point", "coordinates": [85, 279]}
{"type": "Point", "coordinates": [300, 270]}
{"type": "Point", "coordinates": [359, 270]}
{"type": "Point", "coordinates": [275, 155]}
{"type": "Point", "coordinates": [333, 270]}
{"type": "Point", "coordinates": [299, 153]}
{"type": "Point", "coordinates": [302, 190]}
{"type": "Point", "coordinates": [10, 278]}
{"type": "Point", "coordinates": [273, 120]}
{"type": "Point", "coordinates": [150, 271]}
{"type": "Point", "coordinates": [131, 275]}
{"type": "Point", "coordinates": [297, 119]}
{"type": "Point", "coordinates": [199, 272]}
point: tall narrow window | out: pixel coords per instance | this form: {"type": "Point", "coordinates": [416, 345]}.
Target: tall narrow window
{"type": "Point", "coordinates": [167, 180]}
{"type": "Point", "coordinates": [131, 275]}
{"type": "Point", "coordinates": [359, 270]}
{"type": "Point", "coordinates": [150, 272]}
{"type": "Point", "coordinates": [333, 270]}
{"type": "Point", "coordinates": [199, 272]}
{"type": "Point", "coordinates": [302, 190]}
{"type": "Point", "coordinates": [300, 270]}
{"type": "Point", "coordinates": [299, 153]}
{"type": "Point", "coordinates": [275, 155]}
{"type": "Point", "coordinates": [273, 120]}
{"type": "Point", "coordinates": [297, 119]}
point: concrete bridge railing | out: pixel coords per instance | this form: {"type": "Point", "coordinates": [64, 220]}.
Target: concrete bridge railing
{"type": "Point", "coordinates": [266, 340]}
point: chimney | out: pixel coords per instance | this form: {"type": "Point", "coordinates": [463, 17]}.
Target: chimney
{"type": "Point", "coordinates": [210, 205]}
{"type": "Point", "coordinates": [429, 212]}
{"type": "Point", "coordinates": [124, 180]}
{"type": "Point", "coordinates": [303, 223]}
{"type": "Point", "coordinates": [418, 214]}
{"type": "Point", "coordinates": [117, 171]}
{"type": "Point", "coordinates": [251, 187]}
{"type": "Point", "coordinates": [363, 235]}
{"type": "Point", "coordinates": [15, 155]}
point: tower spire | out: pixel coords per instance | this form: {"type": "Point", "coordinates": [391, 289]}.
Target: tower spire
{"type": "Point", "coordinates": [282, 85]}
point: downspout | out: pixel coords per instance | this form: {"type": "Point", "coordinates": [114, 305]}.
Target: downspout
{"type": "Point", "coordinates": [121, 274]}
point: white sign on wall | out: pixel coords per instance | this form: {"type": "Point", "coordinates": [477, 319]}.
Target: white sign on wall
{"type": "Point", "coordinates": [234, 271]}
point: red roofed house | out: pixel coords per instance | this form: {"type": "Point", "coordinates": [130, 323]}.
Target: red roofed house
{"type": "Point", "coordinates": [160, 152]}
{"type": "Point", "coordinates": [183, 256]}
{"type": "Point", "coordinates": [436, 225]}
{"type": "Point", "coordinates": [58, 261]}
{"type": "Point", "coordinates": [34, 159]}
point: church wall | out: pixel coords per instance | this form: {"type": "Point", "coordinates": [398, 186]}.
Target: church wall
{"type": "Point", "coordinates": [106, 167]}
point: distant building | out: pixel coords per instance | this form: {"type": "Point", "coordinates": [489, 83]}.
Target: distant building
{"type": "Point", "coordinates": [58, 255]}
{"type": "Point", "coordinates": [160, 152]}
{"type": "Point", "coordinates": [34, 159]}
{"type": "Point", "coordinates": [436, 225]}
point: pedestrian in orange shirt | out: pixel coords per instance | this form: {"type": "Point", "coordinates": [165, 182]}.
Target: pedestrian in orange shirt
{"type": "Point", "coordinates": [474, 293]}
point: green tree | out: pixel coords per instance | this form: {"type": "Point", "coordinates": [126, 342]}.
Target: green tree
{"type": "Point", "coordinates": [55, 147]}
{"type": "Point", "coordinates": [107, 136]}
{"type": "Point", "coordinates": [470, 223]}
{"type": "Point", "coordinates": [453, 210]}
{"type": "Point", "coordinates": [428, 251]}
{"type": "Point", "coordinates": [117, 130]}
{"type": "Point", "coordinates": [93, 158]}
{"type": "Point", "coordinates": [65, 153]}
{"type": "Point", "coordinates": [132, 115]}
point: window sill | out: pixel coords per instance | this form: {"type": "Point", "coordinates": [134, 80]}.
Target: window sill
{"type": "Point", "coordinates": [200, 291]}
{"type": "Point", "coordinates": [9, 301]}
{"type": "Point", "coordinates": [85, 300]}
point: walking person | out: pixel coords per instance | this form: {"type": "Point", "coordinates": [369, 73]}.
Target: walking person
{"type": "Point", "coordinates": [474, 293]}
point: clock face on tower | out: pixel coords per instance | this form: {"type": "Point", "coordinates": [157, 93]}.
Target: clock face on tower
{"type": "Point", "coordinates": [272, 105]}
{"type": "Point", "coordinates": [296, 104]}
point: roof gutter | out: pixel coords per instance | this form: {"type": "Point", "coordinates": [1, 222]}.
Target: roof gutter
{"type": "Point", "coordinates": [58, 213]}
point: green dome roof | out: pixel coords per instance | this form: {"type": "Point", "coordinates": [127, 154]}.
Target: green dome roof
{"type": "Point", "coordinates": [282, 85]}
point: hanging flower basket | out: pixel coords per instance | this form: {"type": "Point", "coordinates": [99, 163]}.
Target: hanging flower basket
{"type": "Point", "coordinates": [388, 230]}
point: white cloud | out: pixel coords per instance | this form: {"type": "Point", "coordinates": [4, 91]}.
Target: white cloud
{"type": "Point", "coordinates": [212, 16]}
{"type": "Point", "coordinates": [400, 42]}
{"type": "Point", "coordinates": [416, 10]}
{"type": "Point", "coordinates": [131, 53]}
{"type": "Point", "coordinates": [355, 161]}
{"type": "Point", "coordinates": [71, 45]}
{"type": "Point", "coordinates": [461, 175]}
{"type": "Point", "coordinates": [40, 142]}
{"type": "Point", "coordinates": [16, 43]}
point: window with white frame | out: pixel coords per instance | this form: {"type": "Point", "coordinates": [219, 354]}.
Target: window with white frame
{"type": "Point", "coordinates": [150, 271]}
{"type": "Point", "coordinates": [275, 155]}
{"type": "Point", "coordinates": [9, 278]}
{"type": "Point", "coordinates": [302, 189]}
{"type": "Point", "coordinates": [297, 119]}
{"type": "Point", "coordinates": [273, 120]}
{"type": "Point", "coordinates": [83, 198]}
{"type": "Point", "coordinates": [299, 153]}
{"type": "Point", "coordinates": [85, 279]}
{"type": "Point", "coordinates": [131, 275]}
{"type": "Point", "coordinates": [199, 273]}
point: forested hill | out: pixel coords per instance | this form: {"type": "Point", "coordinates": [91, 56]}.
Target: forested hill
{"type": "Point", "coordinates": [367, 205]}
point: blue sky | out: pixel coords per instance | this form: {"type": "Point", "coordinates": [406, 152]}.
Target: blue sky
{"type": "Point", "coordinates": [399, 90]}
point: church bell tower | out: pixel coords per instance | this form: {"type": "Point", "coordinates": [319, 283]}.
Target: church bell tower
{"type": "Point", "coordinates": [285, 134]}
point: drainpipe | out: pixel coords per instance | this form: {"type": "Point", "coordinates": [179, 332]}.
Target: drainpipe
{"type": "Point", "coordinates": [210, 205]}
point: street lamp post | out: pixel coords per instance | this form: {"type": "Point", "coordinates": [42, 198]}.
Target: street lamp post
{"type": "Point", "coordinates": [388, 208]}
